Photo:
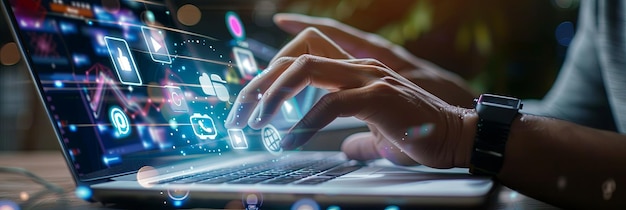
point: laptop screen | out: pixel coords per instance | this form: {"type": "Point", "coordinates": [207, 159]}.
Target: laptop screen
{"type": "Point", "coordinates": [130, 78]}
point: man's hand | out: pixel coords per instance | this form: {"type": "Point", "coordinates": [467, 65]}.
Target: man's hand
{"type": "Point", "coordinates": [441, 83]}
{"type": "Point", "coordinates": [407, 123]}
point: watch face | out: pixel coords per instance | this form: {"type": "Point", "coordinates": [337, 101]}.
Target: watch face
{"type": "Point", "coordinates": [508, 102]}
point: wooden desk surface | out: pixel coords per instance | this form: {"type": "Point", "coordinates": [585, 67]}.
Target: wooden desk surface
{"type": "Point", "coordinates": [52, 167]}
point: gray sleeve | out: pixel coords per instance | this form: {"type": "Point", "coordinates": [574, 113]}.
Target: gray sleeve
{"type": "Point", "coordinates": [578, 95]}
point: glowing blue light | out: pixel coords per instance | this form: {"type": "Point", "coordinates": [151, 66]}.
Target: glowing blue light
{"type": "Point", "coordinates": [392, 208]}
{"type": "Point", "coordinates": [333, 208]}
{"type": "Point", "coordinates": [111, 160]}
{"type": "Point", "coordinates": [83, 192]}
{"type": "Point", "coordinates": [58, 84]}
{"type": "Point", "coordinates": [177, 203]}
{"type": "Point", "coordinates": [305, 203]}
{"type": "Point", "coordinates": [73, 128]}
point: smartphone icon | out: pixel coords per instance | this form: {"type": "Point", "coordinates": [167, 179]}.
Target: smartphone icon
{"type": "Point", "coordinates": [203, 126]}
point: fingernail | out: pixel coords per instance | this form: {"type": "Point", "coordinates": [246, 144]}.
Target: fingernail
{"type": "Point", "coordinates": [229, 119]}
{"type": "Point", "coordinates": [256, 115]}
{"type": "Point", "coordinates": [231, 114]}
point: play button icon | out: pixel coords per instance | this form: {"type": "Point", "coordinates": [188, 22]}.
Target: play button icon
{"type": "Point", "coordinates": [155, 45]}
{"type": "Point", "coordinates": [155, 41]}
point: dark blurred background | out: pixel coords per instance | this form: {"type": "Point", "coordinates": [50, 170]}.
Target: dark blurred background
{"type": "Point", "coordinates": [507, 47]}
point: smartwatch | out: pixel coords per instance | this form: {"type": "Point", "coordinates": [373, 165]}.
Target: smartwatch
{"type": "Point", "coordinates": [495, 113]}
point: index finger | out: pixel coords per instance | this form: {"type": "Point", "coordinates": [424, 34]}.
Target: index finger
{"type": "Point", "coordinates": [358, 43]}
{"type": "Point", "coordinates": [312, 41]}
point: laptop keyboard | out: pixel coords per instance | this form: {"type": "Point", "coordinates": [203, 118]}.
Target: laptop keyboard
{"type": "Point", "coordinates": [299, 172]}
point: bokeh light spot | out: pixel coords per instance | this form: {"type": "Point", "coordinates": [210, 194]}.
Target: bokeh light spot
{"type": "Point", "coordinates": [420, 131]}
{"type": "Point", "coordinates": [252, 201]}
{"type": "Point", "coordinates": [177, 203]}
{"type": "Point", "coordinates": [144, 174]}
{"type": "Point", "coordinates": [564, 4]}
{"type": "Point", "coordinates": [148, 17]}
{"type": "Point", "coordinates": [392, 208]}
{"type": "Point", "coordinates": [333, 208]}
{"type": "Point", "coordinates": [112, 6]}
{"type": "Point", "coordinates": [305, 204]}
{"type": "Point", "coordinates": [564, 33]}
{"type": "Point", "coordinates": [177, 194]}
{"type": "Point", "coordinates": [608, 187]}
{"type": "Point", "coordinates": [235, 26]}
{"type": "Point", "coordinates": [83, 192]}
{"type": "Point", "coordinates": [8, 205]}
{"type": "Point", "coordinates": [189, 15]}
{"type": "Point", "coordinates": [9, 55]}
{"type": "Point", "coordinates": [24, 196]}
{"type": "Point", "coordinates": [561, 182]}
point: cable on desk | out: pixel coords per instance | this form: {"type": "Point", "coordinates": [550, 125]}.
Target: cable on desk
{"type": "Point", "coordinates": [32, 176]}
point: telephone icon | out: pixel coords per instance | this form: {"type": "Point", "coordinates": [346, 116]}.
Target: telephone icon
{"type": "Point", "coordinates": [203, 126]}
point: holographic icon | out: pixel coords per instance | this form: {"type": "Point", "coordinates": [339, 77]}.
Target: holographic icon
{"type": "Point", "coordinates": [237, 139]}
{"type": "Point", "coordinates": [155, 41]}
{"type": "Point", "coordinates": [235, 26]}
{"type": "Point", "coordinates": [120, 122]}
{"type": "Point", "coordinates": [245, 62]}
{"type": "Point", "coordinates": [203, 126]}
{"type": "Point", "coordinates": [111, 159]}
{"type": "Point", "coordinates": [271, 139]}
{"type": "Point", "coordinates": [290, 110]}
{"type": "Point", "coordinates": [252, 201]}
{"type": "Point", "coordinates": [123, 61]}
{"type": "Point", "coordinates": [176, 99]}
{"type": "Point", "coordinates": [214, 85]}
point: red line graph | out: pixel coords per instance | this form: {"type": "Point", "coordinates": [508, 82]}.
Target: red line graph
{"type": "Point", "coordinates": [104, 83]}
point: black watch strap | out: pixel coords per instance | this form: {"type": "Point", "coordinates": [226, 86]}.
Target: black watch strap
{"type": "Point", "coordinates": [496, 114]}
{"type": "Point", "coordinates": [489, 145]}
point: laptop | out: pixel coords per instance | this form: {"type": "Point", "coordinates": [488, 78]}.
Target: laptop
{"type": "Point", "coordinates": [138, 91]}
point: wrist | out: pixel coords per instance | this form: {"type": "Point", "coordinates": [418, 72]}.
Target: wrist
{"type": "Point", "coordinates": [463, 152]}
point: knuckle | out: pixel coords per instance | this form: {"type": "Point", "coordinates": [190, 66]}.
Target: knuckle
{"type": "Point", "coordinates": [283, 60]}
{"type": "Point", "coordinates": [328, 99]}
{"type": "Point", "coordinates": [305, 59]}
{"type": "Point", "coordinates": [391, 80]}
{"type": "Point", "coordinates": [381, 86]}
{"type": "Point", "coordinates": [373, 62]}
{"type": "Point", "coordinates": [310, 32]}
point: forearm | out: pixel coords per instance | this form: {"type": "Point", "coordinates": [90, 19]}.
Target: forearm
{"type": "Point", "coordinates": [564, 163]}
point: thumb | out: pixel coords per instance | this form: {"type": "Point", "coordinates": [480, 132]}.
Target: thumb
{"type": "Point", "coordinates": [360, 146]}
{"type": "Point", "coordinates": [366, 146]}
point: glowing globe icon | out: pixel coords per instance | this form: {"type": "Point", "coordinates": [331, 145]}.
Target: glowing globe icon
{"type": "Point", "coordinates": [271, 139]}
